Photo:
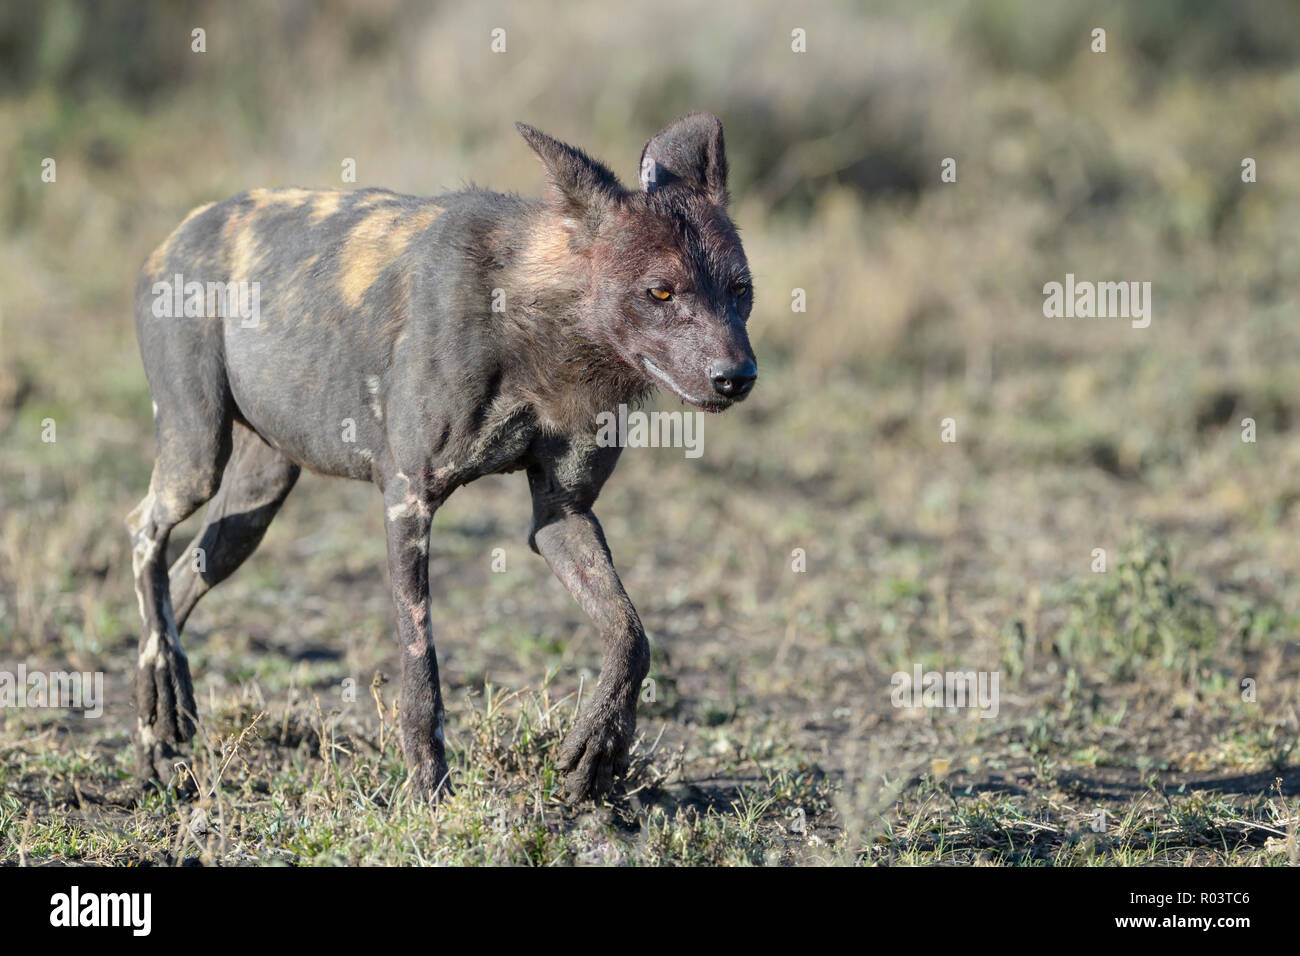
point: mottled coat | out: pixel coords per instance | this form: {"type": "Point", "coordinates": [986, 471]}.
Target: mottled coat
{"type": "Point", "coordinates": [419, 344]}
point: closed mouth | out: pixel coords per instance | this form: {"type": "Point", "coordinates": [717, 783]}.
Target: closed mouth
{"type": "Point", "coordinates": [708, 404]}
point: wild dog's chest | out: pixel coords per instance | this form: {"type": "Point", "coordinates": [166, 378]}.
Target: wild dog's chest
{"type": "Point", "coordinates": [500, 446]}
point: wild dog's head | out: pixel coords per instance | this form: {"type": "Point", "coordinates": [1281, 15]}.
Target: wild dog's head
{"type": "Point", "coordinates": [669, 289]}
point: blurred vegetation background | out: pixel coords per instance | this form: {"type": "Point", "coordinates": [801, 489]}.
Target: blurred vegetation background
{"type": "Point", "coordinates": [1123, 164]}
{"type": "Point", "coordinates": [924, 298]}
{"type": "Point", "coordinates": [924, 302]}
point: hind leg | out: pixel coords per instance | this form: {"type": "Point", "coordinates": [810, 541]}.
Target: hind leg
{"type": "Point", "coordinates": [256, 481]}
{"type": "Point", "coordinates": [185, 475]}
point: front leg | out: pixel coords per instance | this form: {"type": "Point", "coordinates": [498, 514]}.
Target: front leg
{"type": "Point", "coordinates": [596, 750]}
{"type": "Point", "coordinates": [408, 515]}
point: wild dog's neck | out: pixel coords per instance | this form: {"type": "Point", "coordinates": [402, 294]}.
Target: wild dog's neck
{"type": "Point", "coordinates": [548, 271]}
{"type": "Point", "coordinates": [557, 365]}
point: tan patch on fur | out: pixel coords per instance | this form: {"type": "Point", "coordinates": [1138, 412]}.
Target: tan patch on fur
{"type": "Point", "coordinates": [373, 245]}
{"type": "Point", "coordinates": [547, 258]}
{"type": "Point", "coordinates": [241, 246]}
{"type": "Point", "coordinates": [242, 252]}
{"type": "Point", "coordinates": [374, 199]}
{"type": "Point", "coordinates": [264, 198]}
{"type": "Point", "coordinates": [325, 205]}
{"type": "Point", "coordinates": [158, 258]}
{"type": "Point", "coordinates": [195, 212]}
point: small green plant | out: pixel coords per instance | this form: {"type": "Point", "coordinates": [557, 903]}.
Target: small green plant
{"type": "Point", "coordinates": [1136, 615]}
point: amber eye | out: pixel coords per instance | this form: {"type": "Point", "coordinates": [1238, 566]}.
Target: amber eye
{"type": "Point", "coordinates": [662, 295]}
{"type": "Point", "coordinates": [740, 290]}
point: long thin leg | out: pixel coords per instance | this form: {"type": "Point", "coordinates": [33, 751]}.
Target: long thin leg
{"type": "Point", "coordinates": [257, 480]}
{"type": "Point", "coordinates": [164, 692]}
{"type": "Point", "coordinates": [596, 750]}
{"type": "Point", "coordinates": [408, 515]}
{"type": "Point", "coordinates": [193, 418]}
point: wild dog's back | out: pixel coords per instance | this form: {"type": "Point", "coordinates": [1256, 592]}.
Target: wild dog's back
{"type": "Point", "coordinates": [253, 298]}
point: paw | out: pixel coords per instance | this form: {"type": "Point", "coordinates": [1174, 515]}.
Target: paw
{"type": "Point", "coordinates": [431, 781]}
{"type": "Point", "coordinates": [595, 754]}
{"type": "Point", "coordinates": [165, 694]}
{"type": "Point", "coordinates": [158, 763]}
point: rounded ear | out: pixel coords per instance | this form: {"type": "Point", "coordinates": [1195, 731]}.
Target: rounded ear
{"type": "Point", "coordinates": [690, 151]}
{"type": "Point", "coordinates": [581, 185]}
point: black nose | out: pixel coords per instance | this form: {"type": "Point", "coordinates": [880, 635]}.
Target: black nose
{"type": "Point", "coordinates": [733, 380]}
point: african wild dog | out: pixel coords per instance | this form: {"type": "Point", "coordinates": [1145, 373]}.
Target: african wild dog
{"type": "Point", "coordinates": [469, 334]}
